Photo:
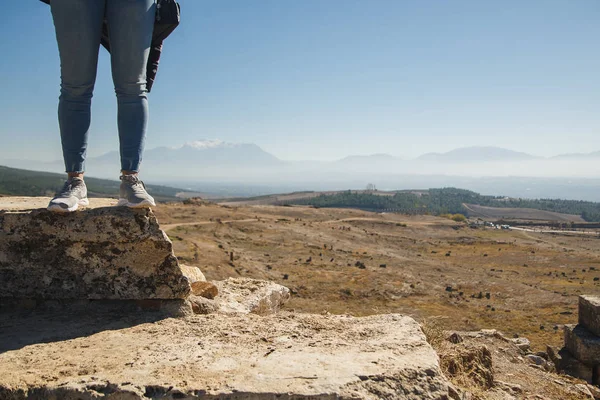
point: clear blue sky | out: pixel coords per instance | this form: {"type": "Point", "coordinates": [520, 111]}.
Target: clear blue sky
{"type": "Point", "coordinates": [317, 79]}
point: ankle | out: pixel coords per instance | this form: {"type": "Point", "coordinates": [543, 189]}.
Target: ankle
{"type": "Point", "coordinates": [129, 173]}
{"type": "Point", "coordinates": [72, 175]}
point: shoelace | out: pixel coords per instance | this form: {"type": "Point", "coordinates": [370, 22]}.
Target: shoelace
{"type": "Point", "coordinates": [136, 184]}
{"type": "Point", "coordinates": [68, 188]}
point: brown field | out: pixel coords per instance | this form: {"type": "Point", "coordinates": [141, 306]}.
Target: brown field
{"type": "Point", "coordinates": [278, 199]}
{"type": "Point", "coordinates": [522, 283]}
{"type": "Point", "coordinates": [519, 214]}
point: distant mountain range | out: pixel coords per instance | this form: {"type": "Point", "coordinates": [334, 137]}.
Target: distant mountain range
{"type": "Point", "coordinates": [200, 164]}
{"type": "Point", "coordinates": [202, 153]}
{"type": "Point", "coordinates": [477, 154]}
{"type": "Point", "coordinates": [216, 153]}
{"type": "Point", "coordinates": [595, 154]}
{"type": "Point", "coordinates": [470, 154]}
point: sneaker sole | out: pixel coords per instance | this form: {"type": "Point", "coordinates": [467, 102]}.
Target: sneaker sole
{"type": "Point", "coordinates": [58, 209]}
{"type": "Point", "coordinates": [141, 204]}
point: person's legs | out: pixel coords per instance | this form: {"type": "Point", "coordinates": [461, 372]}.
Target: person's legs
{"type": "Point", "coordinates": [78, 25]}
{"type": "Point", "coordinates": [130, 25]}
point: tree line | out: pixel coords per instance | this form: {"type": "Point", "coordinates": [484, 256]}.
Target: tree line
{"type": "Point", "coordinates": [447, 201]}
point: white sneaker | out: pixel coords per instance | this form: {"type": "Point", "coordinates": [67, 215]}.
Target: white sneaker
{"type": "Point", "coordinates": [72, 195]}
{"type": "Point", "coordinates": [132, 193]}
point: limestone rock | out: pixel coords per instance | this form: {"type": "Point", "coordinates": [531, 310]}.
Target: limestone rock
{"type": "Point", "coordinates": [241, 295]}
{"type": "Point", "coordinates": [512, 387]}
{"type": "Point", "coordinates": [589, 313]}
{"type": "Point", "coordinates": [202, 305]}
{"type": "Point", "coordinates": [584, 391]}
{"type": "Point", "coordinates": [244, 295]}
{"type": "Point", "coordinates": [537, 360]}
{"type": "Point", "coordinates": [554, 356]}
{"type": "Point", "coordinates": [571, 366]}
{"type": "Point", "coordinates": [194, 274]}
{"type": "Point", "coordinates": [237, 356]}
{"type": "Point", "coordinates": [205, 289]}
{"type": "Point", "coordinates": [102, 253]}
{"type": "Point", "coordinates": [522, 343]}
{"type": "Point", "coordinates": [540, 361]}
{"type": "Point", "coordinates": [594, 390]}
{"type": "Point", "coordinates": [582, 344]}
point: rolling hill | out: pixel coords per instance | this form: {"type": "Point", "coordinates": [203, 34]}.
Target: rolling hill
{"type": "Point", "coordinates": [496, 213]}
{"type": "Point", "coordinates": [438, 202]}
{"type": "Point", "coordinates": [20, 182]}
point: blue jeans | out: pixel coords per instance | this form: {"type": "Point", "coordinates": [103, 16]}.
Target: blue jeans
{"type": "Point", "coordinates": [78, 25]}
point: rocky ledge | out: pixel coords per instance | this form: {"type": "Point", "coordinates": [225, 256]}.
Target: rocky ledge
{"type": "Point", "coordinates": [79, 295]}
{"type": "Point", "coordinates": [234, 356]}
{"type": "Point", "coordinates": [102, 253]}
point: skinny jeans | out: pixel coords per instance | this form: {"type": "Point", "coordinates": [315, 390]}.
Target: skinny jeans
{"type": "Point", "coordinates": [78, 25]}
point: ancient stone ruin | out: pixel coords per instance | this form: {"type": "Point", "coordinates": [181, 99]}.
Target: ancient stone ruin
{"type": "Point", "coordinates": [581, 354]}
{"type": "Point", "coordinates": [105, 253]}
{"type": "Point", "coordinates": [94, 304]}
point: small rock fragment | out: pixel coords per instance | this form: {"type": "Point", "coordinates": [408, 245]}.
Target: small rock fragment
{"type": "Point", "coordinates": [194, 274]}
{"type": "Point", "coordinates": [537, 360]}
{"type": "Point", "coordinates": [553, 356]}
{"type": "Point", "coordinates": [455, 338]}
{"type": "Point", "coordinates": [202, 305]}
{"type": "Point", "coordinates": [585, 392]}
{"type": "Point", "coordinates": [205, 289]}
{"type": "Point", "coordinates": [522, 343]}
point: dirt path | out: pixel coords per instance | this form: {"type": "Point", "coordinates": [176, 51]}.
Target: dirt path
{"type": "Point", "coordinates": [332, 221]}
{"type": "Point", "coordinates": [167, 227]}
{"type": "Point", "coordinates": [384, 221]}
{"type": "Point", "coordinates": [554, 231]}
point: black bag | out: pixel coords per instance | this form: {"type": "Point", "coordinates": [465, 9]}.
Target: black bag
{"type": "Point", "coordinates": [167, 19]}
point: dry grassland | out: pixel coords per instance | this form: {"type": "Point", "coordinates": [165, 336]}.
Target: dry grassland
{"type": "Point", "coordinates": [361, 263]}
{"type": "Point", "coordinates": [520, 214]}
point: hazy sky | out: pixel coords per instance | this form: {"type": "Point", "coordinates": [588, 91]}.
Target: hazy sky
{"type": "Point", "coordinates": [317, 79]}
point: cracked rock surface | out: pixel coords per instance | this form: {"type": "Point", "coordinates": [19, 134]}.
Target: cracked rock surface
{"type": "Point", "coordinates": [237, 356]}
{"type": "Point", "coordinates": [100, 253]}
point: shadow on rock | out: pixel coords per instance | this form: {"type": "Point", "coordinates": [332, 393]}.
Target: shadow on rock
{"type": "Point", "coordinates": [56, 321]}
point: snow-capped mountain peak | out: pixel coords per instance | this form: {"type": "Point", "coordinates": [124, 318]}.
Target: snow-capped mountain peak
{"type": "Point", "coordinates": [207, 144]}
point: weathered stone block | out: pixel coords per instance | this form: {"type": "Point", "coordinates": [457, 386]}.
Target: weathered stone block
{"type": "Point", "coordinates": [239, 295]}
{"type": "Point", "coordinates": [582, 344]}
{"type": "Point", "coordinates": [589, 313]}
{"type": "Point", "coordinates": [569, 365]}
{"type": "Point", "coordinates": [192, 273]}
{"type": "Point", "coordinates": [236, 356]}
{"type": "Point", "coordinates": [102, 253]}
{"type": "Point", "coordinates": [245, 295]}
{"type": "Point", "coordinates": [205, 289]}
